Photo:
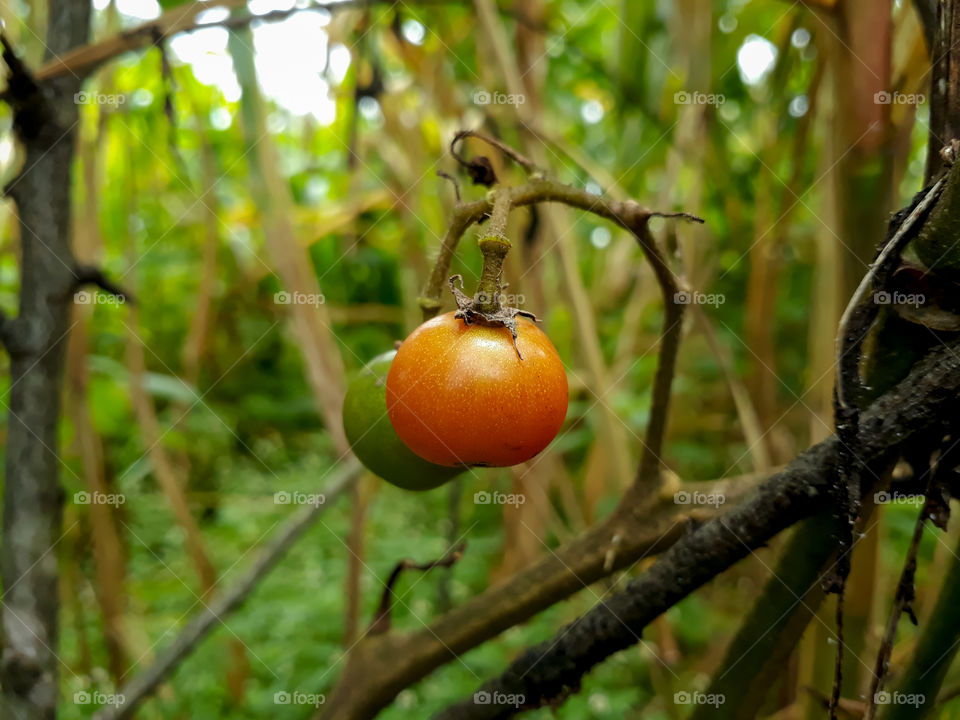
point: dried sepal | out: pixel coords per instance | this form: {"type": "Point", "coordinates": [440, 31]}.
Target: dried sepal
{"type": "Point", "coordinates": [468, 310]}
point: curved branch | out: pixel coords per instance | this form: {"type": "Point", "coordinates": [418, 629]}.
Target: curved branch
{"type": "Point", "coordinates": [463, 217]}
{"type": "Point", "coordinates": [629, 215]}
{"type": "Point", "coordinates": [381, 620]}
{"type": "Point", "coordinates": [521, 160]}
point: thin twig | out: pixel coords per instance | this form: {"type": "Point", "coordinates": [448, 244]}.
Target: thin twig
{"type": "Point", "coordinates": [92, 275]}
{"type": "Point", "coordinates": [381, 620]}
{"type": "Point", "coordinates": [453, 181]}
{"type": "Point", "coordinates": [935, 509]}
{"type": "Point", "coordinates": [525, 162]}
{"type": "Point", "coordinates": [838, 661]}
{"type": "Point", "coordinates": [902, 602]}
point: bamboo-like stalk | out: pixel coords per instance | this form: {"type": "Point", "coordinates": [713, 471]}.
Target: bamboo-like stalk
{"type": "Point", "coordinates": [108, 551]}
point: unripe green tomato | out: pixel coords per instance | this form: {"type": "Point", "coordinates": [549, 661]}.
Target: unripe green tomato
{"type": "Point", "coordinates": [373, 439]}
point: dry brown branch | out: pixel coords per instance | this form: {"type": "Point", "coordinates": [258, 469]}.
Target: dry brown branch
{"type": "Point", "coordinates": [381, 620]}
{"type": "Point", "coordinates": [369, 681]}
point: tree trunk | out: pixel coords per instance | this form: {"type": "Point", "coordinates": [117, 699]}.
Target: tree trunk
{"type": "Point", "coordinates": [46, 124]}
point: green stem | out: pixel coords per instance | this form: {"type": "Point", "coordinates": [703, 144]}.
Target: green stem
{"type": "Point", "coordinates": [494, 245]}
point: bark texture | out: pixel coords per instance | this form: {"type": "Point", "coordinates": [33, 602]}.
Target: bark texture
{"type": "Point", "coordinates": [45, 122]}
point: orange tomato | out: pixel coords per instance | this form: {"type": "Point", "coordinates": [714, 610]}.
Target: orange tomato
{"type": "Point", "coordinates": [458, 394]}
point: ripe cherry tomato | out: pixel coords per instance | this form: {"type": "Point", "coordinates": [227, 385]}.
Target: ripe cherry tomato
{"type": "Point", "coordinates": [373, 439]}
{"type": "Point", "coordinates": [458, 394]}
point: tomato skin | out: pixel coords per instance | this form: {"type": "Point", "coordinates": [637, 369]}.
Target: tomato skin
{"type": "Point", "coordinates": [373, 439]}
{"type": "Point", "coordinates": [458, 394]}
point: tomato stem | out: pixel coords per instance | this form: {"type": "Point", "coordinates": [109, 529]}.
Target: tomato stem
{"type": "Point", "coordinates": [494, 245]}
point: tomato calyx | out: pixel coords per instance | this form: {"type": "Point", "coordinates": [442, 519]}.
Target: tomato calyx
{"type": "Point", "coordinates": [487, 310]}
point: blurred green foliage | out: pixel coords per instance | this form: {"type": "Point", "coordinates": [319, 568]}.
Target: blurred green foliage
{"type": "Point", "coordinates": [249, 426]}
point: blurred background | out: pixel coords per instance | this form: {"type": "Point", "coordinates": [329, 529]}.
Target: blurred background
{"type": "Point", "coordinates": [299, 154]}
